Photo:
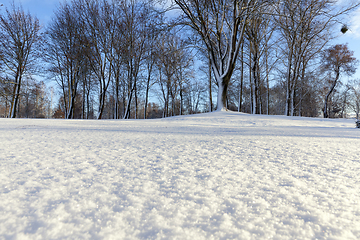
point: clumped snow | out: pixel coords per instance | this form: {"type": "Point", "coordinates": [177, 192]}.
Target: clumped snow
{"type": "Point", "coordinates": [221, 175]}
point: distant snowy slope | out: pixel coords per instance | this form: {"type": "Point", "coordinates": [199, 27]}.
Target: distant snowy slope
{"type": "Point", "coordinates": [220, 175]}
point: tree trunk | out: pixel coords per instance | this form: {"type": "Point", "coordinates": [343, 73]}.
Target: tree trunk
{"type": "Point", "coordinates": [241, 77]}
{"type": "Point", "coordinates": [83, 100]}
{"type": "Point", "coordinates": [147, 89]}
{"type": "Point", "coordinates": [15, 98]}
{"type": "Point", "coordinates": [181, 100]}
{"type": "Point", "coordinates": [127, 111]}
{"type": "Point", "coordinates": [256, 84]}
{"type": "Point", "coordinates": [288, 80]}
{"type": "Point", "coordinates": [136, 100]}
{"type": "Point", "coordinates": [267, 81]}
{"type": "Point", "coordinates": [102, 99]}
{"type": "Point", "coordinates": [210, 88]}
{"type": "Point", "coordinates": [326, 112]}
{"type": "Point", "coordinates": [146, 97]}
{"type": "Point", "coordinates": [222, 92]}
{"type": "Point", "coordinates": [117, 105]}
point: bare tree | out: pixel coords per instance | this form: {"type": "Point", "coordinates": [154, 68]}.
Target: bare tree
{"type": "Point", "coordinates": [337, 59]}
{"type": "Point", "coordinates": [35, 100]}
{"type": "Point", "coordinates": [305, 28]}
{"type": "Point", "coordinates": [259, 31]}
{"type": "Point", "coordinates": [220, 25]}
{"type": "Point", "coordinates": [155, 28]}
{"type": "Point", "coordinates": [5, 95]}
{"type": "Point", "coordinates": [137, 29]}
{"type": "Point", "coordinates": [174, 63]}
{"type": "Point", "coordinates": [167, 65]}
{"type": "Point", "coordinates": [19, 35]}
{"type": "Point", "coordinates": [66, 51]}
{"type": "Point", "coordinates": [355, 97]}
{"type": "Point", "coordinates": [98, 17]}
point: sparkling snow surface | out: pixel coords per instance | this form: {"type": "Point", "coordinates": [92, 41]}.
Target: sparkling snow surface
{"type": "Point", "coordinates": [222, 175]}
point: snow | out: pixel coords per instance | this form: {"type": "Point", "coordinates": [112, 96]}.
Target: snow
{"type": "Point", "coordinates": [221, 175]}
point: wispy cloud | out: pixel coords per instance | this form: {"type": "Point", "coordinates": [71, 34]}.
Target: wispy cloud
{"type": "Point", "coordinates": [355, 24]}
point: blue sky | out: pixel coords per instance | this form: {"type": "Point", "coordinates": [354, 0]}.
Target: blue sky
{"type": "Point", "coordinates": [44, 9]}
{"type": "Point", "coordinates": [352, 37]}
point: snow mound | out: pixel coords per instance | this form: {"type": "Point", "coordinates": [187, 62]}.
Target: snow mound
{"type": "Point", "coordinates": [221, 175]}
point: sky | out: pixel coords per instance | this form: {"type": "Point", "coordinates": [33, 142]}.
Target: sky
{"type": "Point", "coordinates": [44, 9]}
{"type": "Point", "coordinates": [352, 37]}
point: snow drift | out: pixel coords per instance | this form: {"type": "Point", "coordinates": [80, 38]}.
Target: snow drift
{"type": "Point", "coordinates": [221, 175]}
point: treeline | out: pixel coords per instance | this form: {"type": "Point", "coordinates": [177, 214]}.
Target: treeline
{"type": "Point", "coordinates": [140, 59]}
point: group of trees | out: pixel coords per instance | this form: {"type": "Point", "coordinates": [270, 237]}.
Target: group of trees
{"type": "Point", "coordinates": [136, 59]}
{"type": "Point", "coordinates": [20, 35]}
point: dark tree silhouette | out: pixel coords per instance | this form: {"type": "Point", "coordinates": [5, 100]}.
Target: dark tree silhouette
{"type": "Point", "coordinates": [337, 59]}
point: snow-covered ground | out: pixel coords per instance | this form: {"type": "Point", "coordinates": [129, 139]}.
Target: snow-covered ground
{"type": "Point", "coordinates": [222, 175]}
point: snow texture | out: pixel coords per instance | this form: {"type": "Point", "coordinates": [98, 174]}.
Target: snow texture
{"type": "Point", "coordinates": [221, 175]}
